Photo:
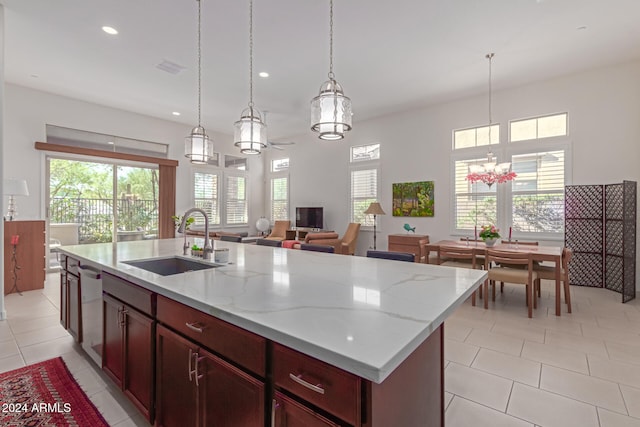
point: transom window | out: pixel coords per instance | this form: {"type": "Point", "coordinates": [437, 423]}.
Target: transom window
{"type": "Point", "coordinates": [476, 137]}
{"type": "Point", "coordinates": [539, 127]}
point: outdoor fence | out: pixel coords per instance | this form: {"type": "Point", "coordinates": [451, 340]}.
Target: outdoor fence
{"type": "Point", "coordinates": [95, 216]}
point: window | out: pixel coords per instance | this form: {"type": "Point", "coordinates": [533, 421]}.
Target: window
{"type": "Point", "coordinates": [205, 194]}
{"type": "Point", "coordinates": [533, 203]}
{"type": "Point", "coordinates": [476, 137]}
{"type": "Point", "coordinates": [236, 200]}
{"type": "Point", "coordinates": [279, 189]}
{"type": "Point", "coordinates": [364, 181]}
{"type": "Point", "coordinates": [474, 203]}
{"type": "Point", "coordinates": [539, 127]}
{"type": "Point", "coordinates": [233, 162]}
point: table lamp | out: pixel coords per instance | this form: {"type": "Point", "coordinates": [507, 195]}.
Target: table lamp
{"type": "Point", "coordinates": [14, 187]}
{"type": "Point", "coordinates": [374, 209]}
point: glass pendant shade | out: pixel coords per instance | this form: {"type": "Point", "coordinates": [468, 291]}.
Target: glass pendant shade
{"type": "Point", "coordinates": [198, 147]}
{"type": "Point", "coordinates": [331, 112]}
{"type": "Point", "coordinates": [250, 134]}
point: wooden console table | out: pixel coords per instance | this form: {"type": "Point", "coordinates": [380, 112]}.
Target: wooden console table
{"type": "Point", "coordinates": [406, 243]}
{"type": "Point", "coordinates": [30, 255]}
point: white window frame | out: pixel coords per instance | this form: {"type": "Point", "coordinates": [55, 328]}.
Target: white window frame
{"type": "Point", "coordinates": [279, 175]}
{"type": "Point", "coordinates": [361, 165]}
{"type": "Point", "coordinates": [222, 191]}
{"type": "Point", "coordinates": [239, 174]}
{"type": "Point", "coordinates": [504, 152]}
{"type": "Point", "coordinates": [209, 171]}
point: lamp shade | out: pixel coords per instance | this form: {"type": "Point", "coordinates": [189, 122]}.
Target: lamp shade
{"type": "Point", "coordinates": [262, 224]}
{"type": "Point", "coordinates": [15, 187]}
{"type": "Point", "coordinates": [198, 147]}
{"type": "Point", "coordinates": [374, 209]}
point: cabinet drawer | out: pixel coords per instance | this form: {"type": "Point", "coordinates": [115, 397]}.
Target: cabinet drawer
{"type": "Point", "coordinates": [329, 388]}
{"type": "Point", "coordinates": [142, 299]}
{"type": "Point", "coordinates": [72, 266]}
{"type": "Point", "coordinates": [234, 343]}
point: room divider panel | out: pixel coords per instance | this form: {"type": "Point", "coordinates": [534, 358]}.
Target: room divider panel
{"type": "Point", "coordinates": [600, 228]}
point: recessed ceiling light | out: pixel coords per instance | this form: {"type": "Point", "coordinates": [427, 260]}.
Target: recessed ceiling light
{"type": "Point", "coordinates": [109, 30]}
{"type": "Point", "coordinates": [110, 142]}
{"type": "Point", "coordinates": [263, 74]}
{"type": "Point", "coordinates": [176, 113]}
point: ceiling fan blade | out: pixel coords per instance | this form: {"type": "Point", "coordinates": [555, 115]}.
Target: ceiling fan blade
{"type": "Point", "coordinates": [276, 147]}
{"type": "Point", "coordinates": [282, 143]}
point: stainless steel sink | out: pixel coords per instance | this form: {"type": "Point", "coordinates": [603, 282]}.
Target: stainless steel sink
{"type": "Point", "coordinates": [171, 265]}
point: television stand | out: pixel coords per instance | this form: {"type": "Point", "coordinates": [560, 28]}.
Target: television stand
{"type": "Point", "coordinates": [300, 233]}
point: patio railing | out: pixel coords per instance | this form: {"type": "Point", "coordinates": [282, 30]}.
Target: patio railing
{"type": "Point", "coordinates": [95, 216]}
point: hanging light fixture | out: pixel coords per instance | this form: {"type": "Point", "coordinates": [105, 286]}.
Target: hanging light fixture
{"type": "Point", "coordinates": [250, 131]}
{"type": "Point", "coordinates": [490, 172]}
{"type": "Point", "coordinates": [197, 146]}
{"type": "Point", "coordinates": [331, 110]}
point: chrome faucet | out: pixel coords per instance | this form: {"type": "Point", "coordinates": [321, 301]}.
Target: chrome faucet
{"type": "Point", "coordinates": [208, 248]}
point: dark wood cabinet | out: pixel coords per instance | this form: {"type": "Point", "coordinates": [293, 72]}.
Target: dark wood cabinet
{"type": "Point", "coordinates": [29, 259]}
{"type": "Point", "coordinates": [128, 351]}
{"type": "Point", "coordinates": [286, 412]}
{"type": "Point", "coordinates": [70, 297]}
{"type": "Point", "coordinates": [197, 388]}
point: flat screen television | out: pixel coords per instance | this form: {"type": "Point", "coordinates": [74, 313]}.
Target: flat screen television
{"type": "Point", "coordinates": [309, 217]}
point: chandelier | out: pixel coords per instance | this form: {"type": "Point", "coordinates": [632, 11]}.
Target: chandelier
{"type": "Point", "coordinates": [250, 131]}
{"type": "Point", "coordinates": [197, 146]}
{"type": "Point", "coordinates": [490, 172]}
{"type": "Point", "coordinates": [331, 110]}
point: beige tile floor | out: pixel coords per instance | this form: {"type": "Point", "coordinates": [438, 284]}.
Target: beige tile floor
{"type": "Point", "coordinates": [502, 369]}
{"type": "Point", "coordinates": [32, 333]}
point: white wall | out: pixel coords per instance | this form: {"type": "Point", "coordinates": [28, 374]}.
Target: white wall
{"type": "Point", "coordinates": [604, 127]}
{"type": "Point", "coordinates": [28, 111]}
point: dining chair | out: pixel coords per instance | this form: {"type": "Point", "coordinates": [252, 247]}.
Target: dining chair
{"type": "Point", "coordinates": [317, 248]}
{"type": "Point", "coordinates": [396, 256]}
{"type": "Point", "coordinates": [230, 238]}
{"type": "Point", "coordinates": [549, 273]}
{"type": "Point", "coordinates": [516, 243]}
{"type": "Point", "coordinates": [428, 253]}
{"type": "Point", "coordinates": [504, 270]}
{"type": "Point", "coordinates": [267, 242]}
{"type": "Point", "coordinates": [453, 256]}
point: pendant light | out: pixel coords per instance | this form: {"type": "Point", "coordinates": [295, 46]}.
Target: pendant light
{"type": "Point", "coordinates": [490, 172]}
{"type": "Point", "coordinates": [250, 131]}
{"type": "Point", "coordinates": [197, 146]}
{"type": "Point", "coordinates": [331, 110]}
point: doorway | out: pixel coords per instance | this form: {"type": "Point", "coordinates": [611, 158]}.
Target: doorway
{"type": "Point", "coordinates": [88, 200]}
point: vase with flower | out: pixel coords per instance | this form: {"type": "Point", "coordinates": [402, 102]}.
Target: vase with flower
{"type": "Point", "coordinates": [489, 234]}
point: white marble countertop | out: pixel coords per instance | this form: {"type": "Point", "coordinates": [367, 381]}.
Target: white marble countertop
{"type": "Point", "coordinates": [360, 314]}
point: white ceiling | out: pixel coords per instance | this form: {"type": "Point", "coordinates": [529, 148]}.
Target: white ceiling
{"type": "Point", "coordinates": [389, 55]}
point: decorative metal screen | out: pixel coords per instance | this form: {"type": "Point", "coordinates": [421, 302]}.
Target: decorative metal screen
{"type": "Point", "coordinates": [600, 228]}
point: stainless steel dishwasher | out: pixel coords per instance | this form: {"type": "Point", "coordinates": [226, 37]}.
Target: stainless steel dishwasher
{"type": "Point", "coordinates": [91, 297]}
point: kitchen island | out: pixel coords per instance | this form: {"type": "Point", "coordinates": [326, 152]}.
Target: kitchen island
{"type": "Point", "coordinates": [377, 323]}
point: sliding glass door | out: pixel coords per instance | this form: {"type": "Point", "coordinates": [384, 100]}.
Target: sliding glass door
{"type": "Point", "coordinates": [88, 200]}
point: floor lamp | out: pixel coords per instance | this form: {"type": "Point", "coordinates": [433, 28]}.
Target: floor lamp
{"type": "Point", "coordinates": [374, 209]}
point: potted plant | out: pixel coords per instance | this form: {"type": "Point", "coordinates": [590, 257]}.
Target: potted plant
{"type": "Point", "coordinates": [489, 234]}
{"type": "Point", "coordinates": [197, 251]}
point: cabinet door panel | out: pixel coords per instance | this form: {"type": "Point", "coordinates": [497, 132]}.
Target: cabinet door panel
{"type": "Point", "coordinates": [139, 341]}
{"type": "Point", "coordinates": [228, 396]}
{"type": "Point", "coordinates": [112, 350]}
{"type": "Point", "coordinates": [64, 302]}
{"type": "Point", "coordinates": [75, 316]}
{"type": "Point", "coordinates": [176, 400]}
{"type": "Point", "coordinates": [289, 413]}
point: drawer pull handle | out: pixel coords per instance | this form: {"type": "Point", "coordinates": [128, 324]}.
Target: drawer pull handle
{"type": "Point", "coordinates": [299, 380]}
{"type": "Point", "coordinates": [193, 327]}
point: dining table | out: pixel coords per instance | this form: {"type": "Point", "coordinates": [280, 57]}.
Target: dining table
{"type": "Point", "coordinates": [552, 254]}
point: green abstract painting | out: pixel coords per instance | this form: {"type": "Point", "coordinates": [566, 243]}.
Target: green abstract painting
{"type": "Point", "coordinates": [413, 199]}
